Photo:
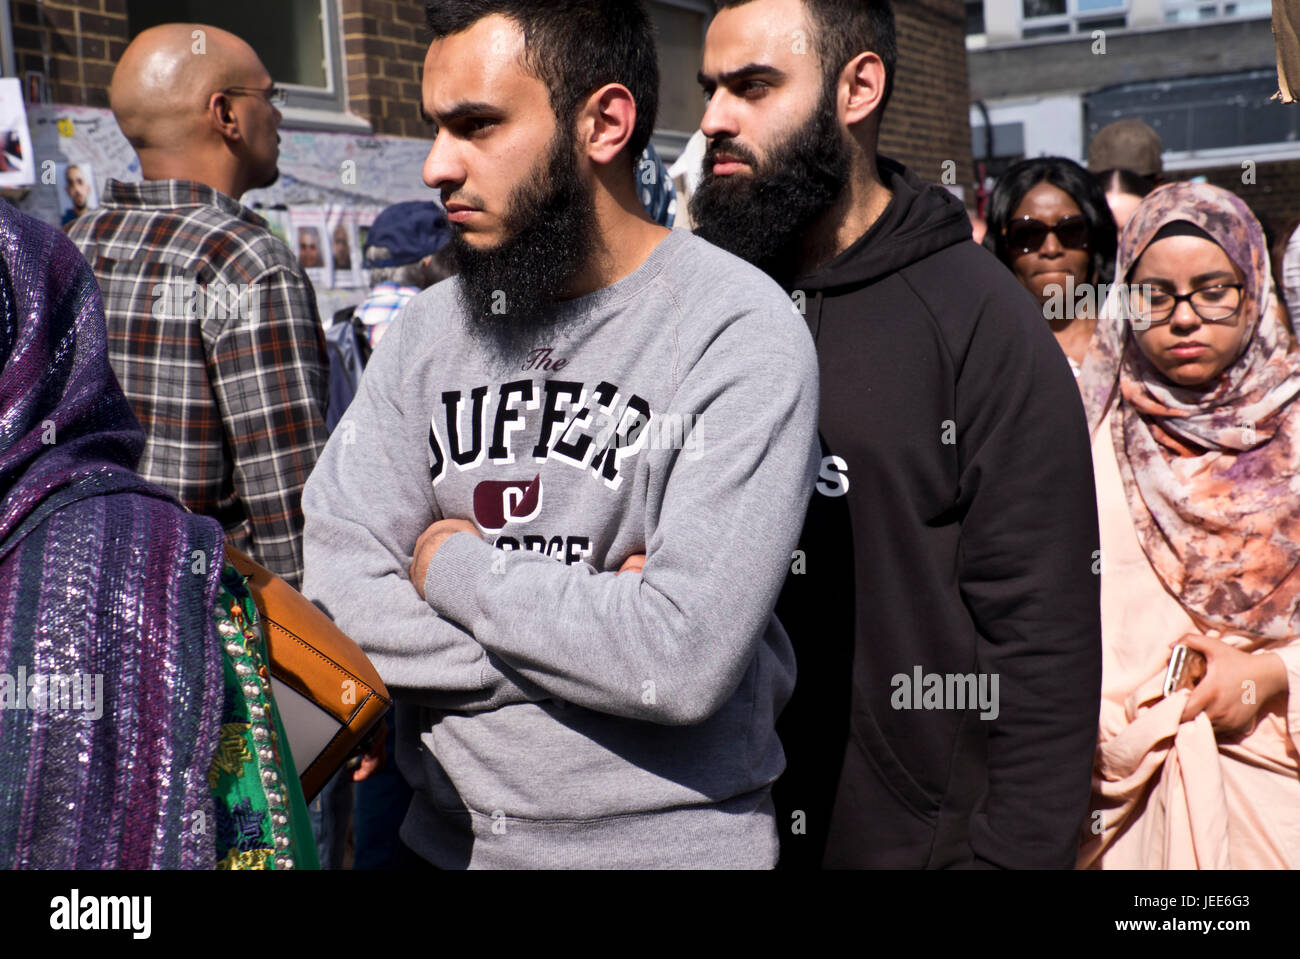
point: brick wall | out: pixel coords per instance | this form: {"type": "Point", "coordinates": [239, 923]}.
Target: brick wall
{"type": "Point", "coordinates": [383, 41]}
{"type": "Point", "coordinates": [76, 43]}
{"type": "Point", "coordinates": [928, 121]}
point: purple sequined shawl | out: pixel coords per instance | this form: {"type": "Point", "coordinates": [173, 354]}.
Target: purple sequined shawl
{"type": "Point", "coordinates": [110, 670]}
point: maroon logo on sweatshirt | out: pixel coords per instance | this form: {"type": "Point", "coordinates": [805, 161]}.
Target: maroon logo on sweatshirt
{"type": "Point", "coordinates": [498, 503]}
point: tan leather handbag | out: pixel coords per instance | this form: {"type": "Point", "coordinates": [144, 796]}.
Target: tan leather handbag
{"type": "Point", "coordinates": [328, 694]}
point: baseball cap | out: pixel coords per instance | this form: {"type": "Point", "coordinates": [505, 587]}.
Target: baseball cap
{"type": "Point", "coordinates": [409, 231]}
{"type": "Point", "coordinates": [1126, 145]}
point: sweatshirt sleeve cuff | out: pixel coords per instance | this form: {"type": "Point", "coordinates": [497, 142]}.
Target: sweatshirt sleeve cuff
{"type": "Point", "coordinates": [452, 580]}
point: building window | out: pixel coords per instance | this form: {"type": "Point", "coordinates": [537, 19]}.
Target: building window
{"type": "Point", "coordinates": [1222, 112]}
{"type": "Point", "coordinates": [974, 18]}
{"type": "Point", "coordinates": [680, 25]}
{"type": "Point", "coordinates": [1045, 18]}
{"type": "Point", "coordinates": [1183, 11]}
{"type": "Point", "coordinates": [297, 40]}
{"type": "Point", "coordinates": [999, 147]}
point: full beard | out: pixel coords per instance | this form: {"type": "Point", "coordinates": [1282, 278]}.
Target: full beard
{"type": "Point", "coordinates": [762, 217]}
{"type": "Point", "coordinates": [513, 292]}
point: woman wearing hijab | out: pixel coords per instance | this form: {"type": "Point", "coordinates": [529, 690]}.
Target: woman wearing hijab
{"type": "Point", "coordinates": [1052, 228]}
{"type": "Point", "coordinates": [135, 731]}
{"type": "Point", "coordinates": [1190, 392]}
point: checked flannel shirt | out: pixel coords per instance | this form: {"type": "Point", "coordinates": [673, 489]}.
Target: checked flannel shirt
{"type": "Point", "coordinates": [214, 335]}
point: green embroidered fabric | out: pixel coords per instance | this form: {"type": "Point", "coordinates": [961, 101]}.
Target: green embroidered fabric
{"type": "Point", "coordinates": [261, 813]}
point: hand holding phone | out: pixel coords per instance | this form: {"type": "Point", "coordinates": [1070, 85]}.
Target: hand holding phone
{"type": "Point", "coordinates": [1186, 669]}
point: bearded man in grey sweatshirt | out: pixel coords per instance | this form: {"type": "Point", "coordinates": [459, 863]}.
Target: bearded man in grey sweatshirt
{"type": "Point", "coordinates": [560, 510]}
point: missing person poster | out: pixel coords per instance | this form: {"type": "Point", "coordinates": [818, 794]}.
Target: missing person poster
{"type": "Point", "coordinates": [17, 166]}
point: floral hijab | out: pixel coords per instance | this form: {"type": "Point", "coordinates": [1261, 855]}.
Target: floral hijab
{"type": "Point", "coordinates": [1221, 529]}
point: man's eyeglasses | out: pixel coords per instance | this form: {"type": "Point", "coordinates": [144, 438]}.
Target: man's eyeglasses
{"type": "Point", "coordinates": [1027, 235]}
{"type": "Point", "coordinates": [276, 96]}
{"type": "Point", "coordinates": [1149, 305]}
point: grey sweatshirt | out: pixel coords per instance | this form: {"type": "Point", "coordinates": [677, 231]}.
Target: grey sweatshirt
{"type": "Point", "coordinates": [552, 713]}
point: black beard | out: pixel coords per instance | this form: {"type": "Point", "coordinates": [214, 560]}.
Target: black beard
{"type": "Point", "coordinates": [511, 290]}
{"type": "Point", "coordinates": [762, 217]}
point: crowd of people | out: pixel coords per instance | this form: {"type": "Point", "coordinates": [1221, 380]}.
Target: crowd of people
{"type": "Point", "coordinates": [848, 541]}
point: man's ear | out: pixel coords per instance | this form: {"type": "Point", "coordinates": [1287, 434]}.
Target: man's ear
{"type": "Point", "coordinates": [222, 116]}
{"type": "Point", "coordinates": [865, 78]}
{"type": "Point", "coordinates": [606, 123]}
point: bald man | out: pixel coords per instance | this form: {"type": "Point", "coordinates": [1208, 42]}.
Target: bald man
{"type": "Point", "coordinates": [212, 322]}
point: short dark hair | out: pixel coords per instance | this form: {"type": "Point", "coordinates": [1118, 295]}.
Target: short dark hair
{"type": "Point", "coordinates": [1083, 189]}
{"type": "Point", "coordinates": [843, 29]}
{"type": "Point", "coordinates": [575, 47]}
{"type": "Point", "coordinates": [1120, 180]}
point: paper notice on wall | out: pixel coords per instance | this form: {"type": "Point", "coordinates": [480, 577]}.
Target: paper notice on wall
{"type": "Point", "coordinates": [331, 186]}
{"type": "Point", "coordinates": [327, 169]}
{"type": "Point", "coordinates": [308, 240]}
{"type": "Point", "coordinates": [81, 137]}
{"type": "Point", "coordinates": [17, 159]}
{"type": "Point", "coordinates": [77, 194]}
{"type": "Point", "coordinates": [345, 257]}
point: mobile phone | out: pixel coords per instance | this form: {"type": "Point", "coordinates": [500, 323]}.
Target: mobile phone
{"type": "Point", "coordinates": [1186, 667]}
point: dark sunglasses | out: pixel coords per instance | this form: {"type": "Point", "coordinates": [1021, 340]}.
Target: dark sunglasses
{"type": "Point", "coordinates": [1027, 235]}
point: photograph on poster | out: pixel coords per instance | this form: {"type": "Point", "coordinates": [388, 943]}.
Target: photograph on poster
{"type": "Point", "coordinates": [344, 250]}
{"type": "Point", "coordinates": [76, 190]}
{"type": "Point", "coordinates": [309, 247]}
{"type": "Point", "coordinates": [311, 243]}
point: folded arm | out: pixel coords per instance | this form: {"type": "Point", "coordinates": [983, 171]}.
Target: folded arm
{"type": "Point", "coordinates": [672, 644]}
{"type": "Point", "coordinates": [366, 505]}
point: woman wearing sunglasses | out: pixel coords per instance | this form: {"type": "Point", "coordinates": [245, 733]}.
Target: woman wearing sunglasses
{"type": "Point", "coordinates": [1190, 392]}
{"type": "Point", "coordinates": [1051, 225]}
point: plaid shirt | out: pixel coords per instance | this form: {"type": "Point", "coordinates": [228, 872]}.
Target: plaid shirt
{"type": "Point", "coordinates": [214, 336]}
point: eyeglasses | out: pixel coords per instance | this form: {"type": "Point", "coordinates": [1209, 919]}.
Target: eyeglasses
{"type": "Point", "coordinates": [1027, 235]}
{"type": "Point", "coordinates": [276, 96]}
{"type": "Point", "coordinates": [1213, 304]}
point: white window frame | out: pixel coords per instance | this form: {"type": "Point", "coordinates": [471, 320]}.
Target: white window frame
{"type": "Point", "coordinates": [319, 108]}
{"type": "Point", "coordinates": [324, 108]}
{"type": "Point", "coordinates": [1071, 18]}
{"type": "Point", "coordinates": [1172, 6]}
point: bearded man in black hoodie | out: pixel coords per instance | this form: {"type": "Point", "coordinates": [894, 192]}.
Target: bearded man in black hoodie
{"type": "Point", "coordinates": [945, 608]}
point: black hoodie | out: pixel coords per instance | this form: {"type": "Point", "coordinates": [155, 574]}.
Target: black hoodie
{"type": "Point", "coordinates": [954, 531]}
